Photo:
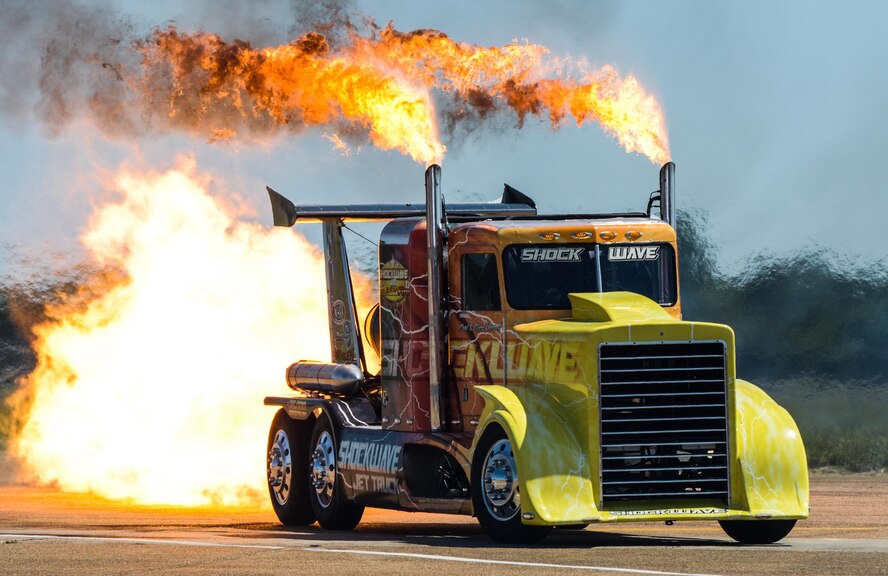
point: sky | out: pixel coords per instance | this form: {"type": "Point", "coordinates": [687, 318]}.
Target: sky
{"type": "Point", "coordinates": [777, 115]}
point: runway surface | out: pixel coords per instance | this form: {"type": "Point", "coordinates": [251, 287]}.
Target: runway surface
{"type": "Point", "coordinates": [43, 531]}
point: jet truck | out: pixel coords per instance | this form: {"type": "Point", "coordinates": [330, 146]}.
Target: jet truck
{"type": "Point", "coordinates": [535, 372]}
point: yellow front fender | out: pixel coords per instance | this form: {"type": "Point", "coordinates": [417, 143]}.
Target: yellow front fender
{"type": "Point", "coordinates": [551, 451]}
{"type": "Point", "coordinates": [771, 470]}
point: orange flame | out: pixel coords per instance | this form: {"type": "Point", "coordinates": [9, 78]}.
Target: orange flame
{"type": "Point", "coordinates": [153, 390]}
{"type": "Point", "coordinates": [518, 74]}
{"type": "Point", "coordinates": [381, 83]}
{"type": "Point", "coordinates": [225, 86]}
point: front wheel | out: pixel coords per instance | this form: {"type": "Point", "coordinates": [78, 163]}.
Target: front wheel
{"type": "Point", "coordinates": [757, 531]}
{"type": "Point", "coordinates": [496, 495]}
{"type": "Point", "coordinates": [332, 509]}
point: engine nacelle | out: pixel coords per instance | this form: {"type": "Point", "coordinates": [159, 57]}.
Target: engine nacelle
{"type": "Point", "coordinates": [323, 377]}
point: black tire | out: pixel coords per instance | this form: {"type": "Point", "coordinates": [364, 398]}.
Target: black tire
{"type": "Point", "coordinates": [331, 508]}
{"type": "Point", "coordinates": [499, 510]}
{"type": "Point", "coordinates": [757, 531]}
{"type": "Point", "coordinates": [287, 470]}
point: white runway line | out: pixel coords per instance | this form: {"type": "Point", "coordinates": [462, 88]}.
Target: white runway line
{"type": "Point", "coordinates": [504, 562]}
{"type": "Point", "coordinates": [7, 537]}
{"type": "Point", "coordinates": [436, 557]}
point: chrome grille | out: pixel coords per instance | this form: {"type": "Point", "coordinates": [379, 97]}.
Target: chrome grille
{"type": "Point", "coordinates": [663, 421]}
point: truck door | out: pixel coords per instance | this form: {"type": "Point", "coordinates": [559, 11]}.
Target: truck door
{"type": "Point", "coordinates": [476, 329]}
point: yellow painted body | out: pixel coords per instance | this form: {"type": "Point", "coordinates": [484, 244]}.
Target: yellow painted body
{"type": "Point", "coordinates": [550, 412]}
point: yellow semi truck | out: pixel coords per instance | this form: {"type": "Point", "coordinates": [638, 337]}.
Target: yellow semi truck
{"type": "Point", "coordinates": [535, 372]}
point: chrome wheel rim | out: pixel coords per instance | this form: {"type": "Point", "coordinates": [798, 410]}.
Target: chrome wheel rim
{"type": "Point", "coordinates": [280, 467]}
{"type": "Point", "coordinates": [500, 482]}
{"type": "Point", "coordinates": [323, 469]}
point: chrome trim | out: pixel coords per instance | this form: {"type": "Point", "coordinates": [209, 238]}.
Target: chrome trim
{"type": "Point", "coordinates": [663, 357]}
{"type": "Point", "coordinates": [345, 341]}
{"type": "Point", "coordinates": [323, 469]}
{"type": "Point", "coordinates": [668, 431]}
{"type": "Point", "coordinates": [598, 280]}
{"type": "Point", "coordinates": [322, 377]}
{"type": "Point", "coordinates": [666, 394]}
{"type": "Point", "coordinates": [435, 257]}
{"type": "Point", "coordinates": [663, 382]}
{"type": "Point", "coordinates": [696, 493]}
{"type": "Point", "coordinates": [667, 193]}
{"type": "Point", "coordinates": [280, 467]}
{"type": "Point", "coordinates": [656, 370]}
{"type": "Point", "coordinates": [713, 455]}
{"type": "Point", "coordinates": [664, 406]}
{"type": "Point", "coordinates": [639, 444]}
{"type": "Point", "coordinates": [499, 479]}
{"type": "Point", "coordinates": [675, 419]}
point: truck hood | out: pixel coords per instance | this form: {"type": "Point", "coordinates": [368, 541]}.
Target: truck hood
{"type": "Point", "coordinates": [616, 307]}
{"type": "Point", "coordinates": [597, 310]}
{"type": "Point", "coordinates": [620, 317]}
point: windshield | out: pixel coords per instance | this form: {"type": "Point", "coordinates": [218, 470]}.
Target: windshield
{"type": "Point", "coordinates": [540, 276]}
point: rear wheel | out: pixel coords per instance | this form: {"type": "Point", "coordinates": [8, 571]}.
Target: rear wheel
{"type": "Point", "coordinates": [496, 495]}
{"type": "Point", "coordinates": [757, 531]}
{"type": "Point", "coordinates": [332, 509]}
{"type": "Point", "coordinates": [287, 470]}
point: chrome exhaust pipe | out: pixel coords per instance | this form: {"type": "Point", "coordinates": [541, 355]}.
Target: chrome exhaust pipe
{"type": "Point", "coordinates": [667, 193]}
{"type": "Point", "coordinates": [325, 377]}
{"type": "Point", "coordinates": [435, 257]}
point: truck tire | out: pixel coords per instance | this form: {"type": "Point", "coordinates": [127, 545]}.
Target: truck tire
{"type": "Point", "coordinates": [757, 531]}
{"type": "Point", "coordinates": [287, 470]}
{"type": "Point", "coordinates": [331, 508]}
{"type": "Point", "coordinates": [496, 496]}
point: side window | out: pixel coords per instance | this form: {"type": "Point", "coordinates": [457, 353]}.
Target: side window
{"type": "Point", "coordinates": [480, 282]}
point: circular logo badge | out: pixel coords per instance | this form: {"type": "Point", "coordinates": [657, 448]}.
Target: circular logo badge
{"type": "Point", "coordinates": [393, 281]}
{"type": "Point", "coordinates": [338, 312]}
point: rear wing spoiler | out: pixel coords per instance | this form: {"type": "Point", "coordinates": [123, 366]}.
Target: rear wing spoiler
{"type": "Point", "coordinates": [286, 214]}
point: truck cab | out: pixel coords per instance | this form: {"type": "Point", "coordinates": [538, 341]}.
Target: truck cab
{"type": "Point", "coordinates": [508, 273]}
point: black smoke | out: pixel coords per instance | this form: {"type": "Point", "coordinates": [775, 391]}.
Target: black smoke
{"type": "Point", "coordinates": [814, 313]}
{"type": "Point", "coordinates": [70, 61]}
{"type": "Point", "coordinates": [67, 60]}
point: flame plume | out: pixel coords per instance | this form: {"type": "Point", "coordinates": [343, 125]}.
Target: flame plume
{"type": "Point", "coordinates": [377, 86]}
{"type": "Point", "coordinates": [220, 87]}
{"type": "Point", "coordinates": [152, 391]}
{"type": "Point", "coordinates": [520, 77]}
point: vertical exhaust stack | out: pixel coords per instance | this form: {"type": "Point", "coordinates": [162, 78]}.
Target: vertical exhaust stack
{"type": "Point", "coordinates": [435, 257]}
{"type": "Point", "coordinates": [667, 193]}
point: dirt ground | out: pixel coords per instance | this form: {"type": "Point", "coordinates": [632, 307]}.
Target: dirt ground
{"type": "Point", "coordinates": [45, 531]}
